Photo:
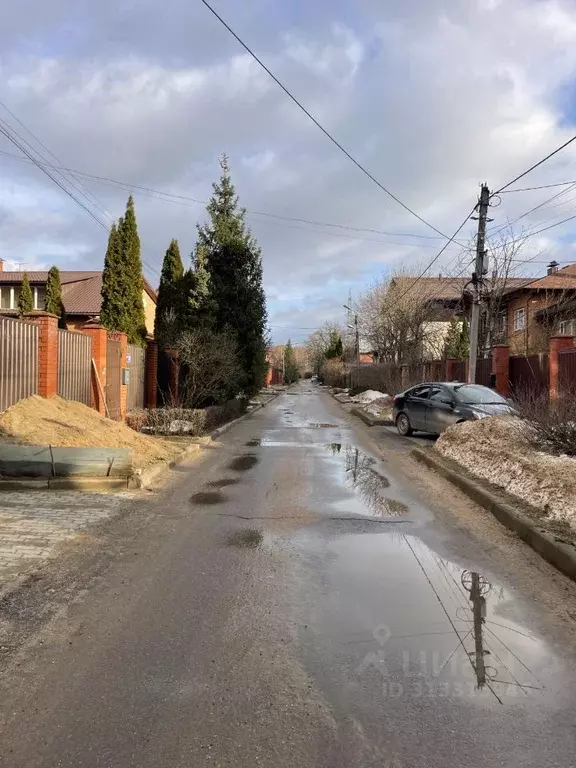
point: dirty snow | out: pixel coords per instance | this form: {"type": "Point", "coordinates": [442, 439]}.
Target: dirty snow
{"type": "Point", "coordinates": [370, 396]}
{"type": "Point", "coordinates": [496, 450]}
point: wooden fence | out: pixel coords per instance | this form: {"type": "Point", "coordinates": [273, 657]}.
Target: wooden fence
{"type": "Point", "coordinates": [18, 361]}
{"type": "Point", "coordinates": [74, 366]}
{"type": "Point", "coordinates": [136, 363]}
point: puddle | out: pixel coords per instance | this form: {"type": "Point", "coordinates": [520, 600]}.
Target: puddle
{"type": "Point", "coordinates": [225, 481]}
{"type": "Point", "coordinates": [444, 631]}
{"type": "Point", "coordinates": [253, 443]}
{"type": "Point", "coordinates": [243, 463]}
{"type": "Point", "coordinates": [249, 538]}
{"type": "Point", "coordinates": [359, 473]}
{"type": "Point", "coordinates": [319, 425]}
{"type": "Point", "coordinates": [208, 497]}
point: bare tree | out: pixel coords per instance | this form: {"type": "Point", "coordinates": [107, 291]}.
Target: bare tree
{"type": "Point", "coordinates": [210, 367]}
{"type": "Point", "coordinates": [320, 342]}
{"type": "Point", "coordinates": [402, 320]}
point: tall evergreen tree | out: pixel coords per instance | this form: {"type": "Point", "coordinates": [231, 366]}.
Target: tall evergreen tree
{"type": "Point", "coordinates": [291, 372]}
{"type": "Point", "coordinates": [133, 278]}
{"type": "Point", "coordinates": [122, 281]}
{"type": "Point", "coordinates": [200, 305]}
{"type": "Point", "coordinates": [53, 300]}
{"type": "Point", "coordinates": [335, 347]}
{"type": "Point", "coordinates": [234, 266]}
{"type": "Point", "coordinates": [113, 309]}
{"type": "Point", "coordinates": [464, 343]}
{"type": "Point", "coordinates": [452, 340]}
{"type": "Point", "coordinates": [26, 299]}
{"type": "Point", "coordinates": [53, 297]}
{"type": "Point", "coordinates": [170, 304]}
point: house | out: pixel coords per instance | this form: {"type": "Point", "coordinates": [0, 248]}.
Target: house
{"type": "Point", "coordinates": [541, 307]}
{"type": "Point", "coordinates": [81, 295]}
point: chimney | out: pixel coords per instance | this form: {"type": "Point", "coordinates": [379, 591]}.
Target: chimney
{"type": "Point", "coordinates": [552, 267]}
{"type": "Point", "coordinates": [1, 265]}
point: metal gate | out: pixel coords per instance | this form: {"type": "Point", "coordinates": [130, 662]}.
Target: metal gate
{"type": "Point", "coordinates": [18, 361]}
{"type": "Point", "coordinates": [113, 374]}
{"type": "Point", "coordinates": [74, 366]}
{"type": "Point", "coordinates": [136, 362]}
{"type": "Point", "coordinates": [567, 371]}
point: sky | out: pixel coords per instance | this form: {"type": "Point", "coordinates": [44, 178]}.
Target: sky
{"type": "Point", "coordinates": [431, 96]}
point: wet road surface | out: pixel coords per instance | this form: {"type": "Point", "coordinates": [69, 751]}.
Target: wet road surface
{"type": "Point", "coordinates": [293, 600]}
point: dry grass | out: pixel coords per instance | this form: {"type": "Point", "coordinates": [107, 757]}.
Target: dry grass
{"type": "Point", "coordinates": [59, 422]}
{"type": "Point", "coordinates": [499, 451]}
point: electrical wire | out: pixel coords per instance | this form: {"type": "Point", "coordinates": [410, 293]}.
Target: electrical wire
{"type": "Point", "coordinates": [532, 167]}
{"type": "Point", "coordinates": [536, 208]}
{"type": "Point", "coordinates": [317, 123]}
{"type": "Point", "coordinates": [542, 186]}
{"type": "Point", "coordinates": [169, 197]}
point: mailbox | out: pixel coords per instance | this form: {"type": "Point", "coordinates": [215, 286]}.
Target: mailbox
{"type": "Point", "coordinates": [125, 376]}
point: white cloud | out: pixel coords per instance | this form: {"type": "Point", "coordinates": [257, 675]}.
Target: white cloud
{"type": "Point", "coordinates": [431, 97]}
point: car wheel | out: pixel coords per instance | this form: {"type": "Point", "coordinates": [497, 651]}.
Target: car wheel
{"type": "Point", "coordinates": [403, 425]}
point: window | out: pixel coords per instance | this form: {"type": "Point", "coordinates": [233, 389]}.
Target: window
{"type": "Point", "coordinates": [441, 395]}
{"type": "Point", "coordinates": [5, 297]}
{"type": "Point", "coordinates": [477, 394]}
{"type": "Point", "coordinates": [421, 392]}
{"type": "Point", "coordinates": [519, 319]}
{"type": "Point", "coordinates": [566, 327]}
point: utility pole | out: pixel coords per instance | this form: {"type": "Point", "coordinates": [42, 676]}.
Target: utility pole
{"type": "Point", "coordinates": [357, 334]}
{"type": "Point", "coordinates": [477, 587]}
{"type": "Point", "coordinates": [477, 278]}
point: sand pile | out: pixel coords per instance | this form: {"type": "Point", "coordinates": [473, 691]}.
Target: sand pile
{"type": "Point", "coordinates": [59, 422]}
{"type": "Point", "coordinates": [496, 450]}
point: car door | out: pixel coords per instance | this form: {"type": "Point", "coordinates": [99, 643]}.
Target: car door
{"type": "Point", "coordinates": [416, 403]}
{"type": "Point", "coordinates": [441, 410]}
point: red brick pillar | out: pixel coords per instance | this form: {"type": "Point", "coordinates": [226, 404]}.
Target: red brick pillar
{"type": "Point", "coordinates": [450, 363]}
{"type": "Point", "coordinates": [501, 368]}
{"type": "Point", "coordinates": [99, 336]}
{"type": "Point", "coordinates": [123, 339]}
{"type": "Point", "coordinates": [151, 400]}
{"type": "Point", "coordinates": [47, 352]}
{"type": "Point", "coordinates": [557, 344]}
{"type": "Point", "coordinates": [268, 380]}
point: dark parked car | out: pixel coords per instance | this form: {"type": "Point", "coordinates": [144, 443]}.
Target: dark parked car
{"type": "Point", "coordinates": [435, 406]}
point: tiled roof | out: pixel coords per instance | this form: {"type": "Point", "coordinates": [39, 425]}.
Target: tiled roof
{"type": "Point", "coordinates": [562, 279]}
{"type": "Point", "coordinates": [449, 288]}
{"type": "Point", "coordinates": [81, 289]}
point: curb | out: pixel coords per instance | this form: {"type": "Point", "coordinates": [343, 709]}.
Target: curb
{"type": "Point", "coordinates": [562, 556]}
{"type": "Point", "coordinates": [64, 484]}
{"type": "Point", "coordinates": [371, 421]}
{"type": "Point", "coordinates": [225, 427]}
{"type": "Point", "coordinates": [144, 479]}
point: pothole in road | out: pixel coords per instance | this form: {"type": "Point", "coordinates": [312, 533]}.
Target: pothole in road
{"type": "Point", "coordinates": [208, 497]}
{"type": "Point", "coordinates": [223, 482]}
{"type": "Point", "coordinates": [253, 443]}
{"type": "Point", "coordinates": [248, 538]}
{"type": "Point", "coordinates": [243, 463]}
{"type": "Point", "coordinates": [320, 425]}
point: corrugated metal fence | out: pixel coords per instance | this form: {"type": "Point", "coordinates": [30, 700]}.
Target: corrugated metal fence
{"type": "Point", "coordinates": [74, 362]}
{"type": "Point", "coordinates": [137, 367]}
{"type": "Point", "coordinates": [567, 371]}
{"type": "Point", "coordinates": [529, 374]}
{"type": "Point", "coordinates": [18, 361]}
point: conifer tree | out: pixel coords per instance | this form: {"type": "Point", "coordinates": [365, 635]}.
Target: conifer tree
{"type": "Point", "coordinates": [26, 299]}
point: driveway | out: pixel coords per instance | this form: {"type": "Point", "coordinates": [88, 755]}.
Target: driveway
{"type": "Point", "coordinates": [298, 598]}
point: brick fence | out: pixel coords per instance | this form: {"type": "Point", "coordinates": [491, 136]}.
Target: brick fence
{"type": "Point", "coordinates": [46, 383]}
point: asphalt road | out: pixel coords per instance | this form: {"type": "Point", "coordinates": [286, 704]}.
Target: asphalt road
{"type": "Point", "coordinates": [294, 600]}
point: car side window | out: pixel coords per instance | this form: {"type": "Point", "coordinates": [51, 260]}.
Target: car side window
{"type": "Point", "coordinates": [421, 392]}
{"type": "Point", "coordinates": [440, 394]}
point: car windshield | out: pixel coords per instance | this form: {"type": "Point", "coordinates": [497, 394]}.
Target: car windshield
{"type": "Point", "coordinates": [474, 394]}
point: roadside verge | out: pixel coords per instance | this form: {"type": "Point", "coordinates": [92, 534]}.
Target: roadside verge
{"type": "Point", "coordinates": [554, 549]}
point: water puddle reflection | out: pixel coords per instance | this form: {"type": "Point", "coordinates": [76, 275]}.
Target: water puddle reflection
{"type": "Point", "coordinates": [359, 473]}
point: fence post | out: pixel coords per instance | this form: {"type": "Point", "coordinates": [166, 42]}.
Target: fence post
{"type": "Point", "coordinates": [123, 364]}
{"type": "Point", "coordinates": [151, 385]}
{"type": "Point", "coordinates": [501, 368]}
{"type": "Point", "coordinates": [404, 376]}
{"type": "Point", "coordinates": [557, 344]}
{"type": "Point", "coordinates": [99, 337]}
{"type": "Point", "coordinates": [450, 363]}
{"type": "Point", "coordinates": [47, 351]}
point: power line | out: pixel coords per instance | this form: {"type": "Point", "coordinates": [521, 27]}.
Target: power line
{"type": "Point", "coordinates": [535, 208]}
{"type": "Point", "coordinates": [532, 189]}
{"type": "Point", "coordinates": [317, 123]}
{"type": "Point", "coordinates": [532, 167]}
{"type": "Point", "coordinates": [169, 197]}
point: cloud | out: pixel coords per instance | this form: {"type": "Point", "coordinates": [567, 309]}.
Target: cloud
{"type": "Point", "coordinates": [431, 97]}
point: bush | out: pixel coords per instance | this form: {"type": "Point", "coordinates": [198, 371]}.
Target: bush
{"type": "Point", "coordinates": [550, 426]}
{"type": "Point", "coordinates": [333, 373]}
{"type": "Point", "coordinates": [185, 421]}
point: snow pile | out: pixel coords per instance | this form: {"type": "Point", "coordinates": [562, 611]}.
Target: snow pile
{"type": "Point", "coordinates": [370, 396]}
{"type": "Point", "coordinates": [496, 450]}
